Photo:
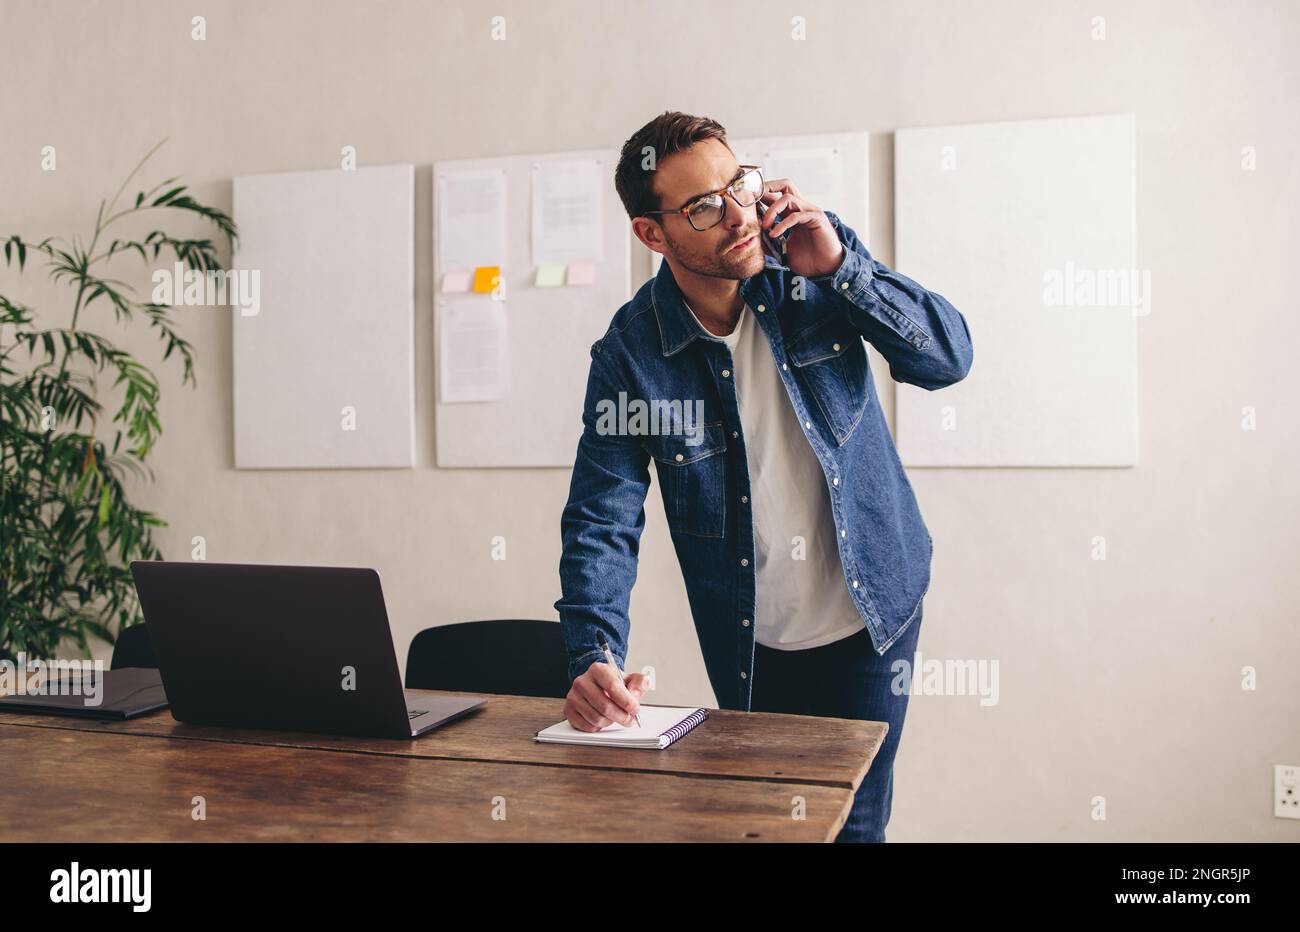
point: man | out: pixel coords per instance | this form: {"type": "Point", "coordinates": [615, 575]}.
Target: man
{"type": "Point", "coordinates": [804, 553]}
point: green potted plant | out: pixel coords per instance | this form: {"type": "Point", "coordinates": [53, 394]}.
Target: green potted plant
{"type": "Point", "coordinates": [67, 529]}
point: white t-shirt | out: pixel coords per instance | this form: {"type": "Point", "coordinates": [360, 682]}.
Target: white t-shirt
{"type": "Point", "coordinates": [802, 598]}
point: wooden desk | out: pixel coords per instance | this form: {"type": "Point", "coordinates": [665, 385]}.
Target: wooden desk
{"type": "Point", "coordinates": [734, 778]}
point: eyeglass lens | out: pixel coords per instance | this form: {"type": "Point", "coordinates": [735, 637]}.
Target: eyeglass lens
{"type": "Point", "coordinates": [708, 211]}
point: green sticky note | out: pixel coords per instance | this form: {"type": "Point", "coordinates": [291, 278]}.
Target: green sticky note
{"type": "Point", "coordinates": [550, 274]}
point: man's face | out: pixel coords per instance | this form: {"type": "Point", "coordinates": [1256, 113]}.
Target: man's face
{"type": "Point", "coordinates": [704, 168]}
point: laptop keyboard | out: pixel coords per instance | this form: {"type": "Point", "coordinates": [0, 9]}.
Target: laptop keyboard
{"type": "Point", "coordinates": [412, 713]}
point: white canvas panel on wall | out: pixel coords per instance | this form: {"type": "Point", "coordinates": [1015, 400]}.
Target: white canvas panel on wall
{"type": "Point", "coordinates": [829, 169]}
{"type": "Point", "coordinates": [1029, 229]}
{"type": "Point", "coordinates": [549, 329]}
{"type": "Point", "coordinates": [324, 373]}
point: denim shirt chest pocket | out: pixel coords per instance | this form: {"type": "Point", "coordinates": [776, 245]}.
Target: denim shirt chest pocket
{"type": "Point", "coordinates": [692, 478]}
{"type": "Point", "coordinates": [831, 359]}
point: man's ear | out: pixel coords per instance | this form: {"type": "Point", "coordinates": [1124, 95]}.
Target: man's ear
{"type": "Point", "coordinates": [650, 234]}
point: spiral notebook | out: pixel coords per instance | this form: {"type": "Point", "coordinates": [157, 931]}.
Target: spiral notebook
{"type": "Point", "coordinates": [660, 726]}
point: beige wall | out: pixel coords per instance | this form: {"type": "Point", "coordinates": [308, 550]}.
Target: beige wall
{"type": "Point", "coordinates": [1118, 678]}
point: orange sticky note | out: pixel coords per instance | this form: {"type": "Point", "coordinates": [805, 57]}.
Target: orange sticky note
{"type": "Point", "coordinates": [485, 277]}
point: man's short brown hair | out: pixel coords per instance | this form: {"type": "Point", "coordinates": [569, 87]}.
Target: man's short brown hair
{"type": "Point", "coordinates": [667, 133]}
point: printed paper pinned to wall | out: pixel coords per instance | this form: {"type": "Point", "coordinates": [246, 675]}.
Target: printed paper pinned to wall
{"type": "Point", "coordinates": [567, 210]}
{"type": "Point", "coordinates": [474, 352]}
{"type": "Point", "coordinates": [471, 224]}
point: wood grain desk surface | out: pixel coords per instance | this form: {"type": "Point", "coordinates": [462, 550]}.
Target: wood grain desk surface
{"type": "Point", "coordinates": [736, 777]}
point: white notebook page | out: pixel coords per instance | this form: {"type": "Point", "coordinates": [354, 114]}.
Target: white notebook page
{"type": "Point", "coordinates": [655, 720]}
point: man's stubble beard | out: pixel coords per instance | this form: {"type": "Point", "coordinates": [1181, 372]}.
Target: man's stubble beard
{"type": "Point", "coordinates": [712, 265]}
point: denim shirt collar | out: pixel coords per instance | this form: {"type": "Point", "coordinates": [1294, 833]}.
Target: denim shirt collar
{"type": "Point", "coordinates": [677, 325]}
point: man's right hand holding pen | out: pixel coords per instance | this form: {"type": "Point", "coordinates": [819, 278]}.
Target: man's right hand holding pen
{"type": "Point", "coordinates": [603, 696]}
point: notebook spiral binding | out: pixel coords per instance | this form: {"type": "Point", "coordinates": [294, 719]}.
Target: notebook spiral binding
{"type": "Point", "coordinates": [685, 725]}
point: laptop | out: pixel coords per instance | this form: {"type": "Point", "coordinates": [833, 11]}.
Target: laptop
{"type": "Point", "coordinates": [292, 648]}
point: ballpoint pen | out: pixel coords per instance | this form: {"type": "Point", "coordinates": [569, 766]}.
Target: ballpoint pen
{"type": "Point", "coordinates": [609, 659]}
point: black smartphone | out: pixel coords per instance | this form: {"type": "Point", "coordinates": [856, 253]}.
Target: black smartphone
{"type": "Point", "coordinates": [773, 246]}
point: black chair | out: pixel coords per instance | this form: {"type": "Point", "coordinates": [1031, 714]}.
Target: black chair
{"type": "Point", "coordinates": [515, 657]}
{"type": "Point", "coordinates": [133, 648]}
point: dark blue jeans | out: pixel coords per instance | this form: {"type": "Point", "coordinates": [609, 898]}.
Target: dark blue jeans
{"type": "Point", "coordinates": [844, 679]}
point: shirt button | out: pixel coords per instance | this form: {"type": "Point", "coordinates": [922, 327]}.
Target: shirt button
{"type": "Point", "coordinates": [835, 481]}
{"type": "Point", "coordinates": [726, 372]}
{"type": "Point", "coordinates": [680, 457]}
{"type": "Point", "coordinates": [844, 286]}
{"type": "Point", "coordinates": [745, 622]}
{"type": "Point", "coordinates": [745, 562]}
{"type": "Point", "coordinates": [836, 347]}
{"type": "Point", "coordinates": [785, 367]}
{"type": "Point", "coordinates": [744, 675]}
{"type": "Point", "coordinates": [807, 425]}
{"type": "Point", "coordinates": [855, 584]}
{"type": "Point", "coordinates": [843, 533]}
{"type": "Point", "coordinates": [734, 434]}
{"type": "Point", "coordinates": [761, 308]}
{"type": "Point", "coordinates": [744, 499]}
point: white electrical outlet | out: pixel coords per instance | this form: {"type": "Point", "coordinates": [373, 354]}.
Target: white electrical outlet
{"type": "Point", "coordinates": [1286, 791]}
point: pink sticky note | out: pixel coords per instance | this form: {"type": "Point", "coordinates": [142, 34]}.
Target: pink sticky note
{"type": "Point", "coordinates": [455, 280]}
{"type": "Point", "coordinates": [582, 273]}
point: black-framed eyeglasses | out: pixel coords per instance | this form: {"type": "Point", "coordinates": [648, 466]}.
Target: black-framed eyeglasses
{"type": "Point", "coordinates": [707, 210]}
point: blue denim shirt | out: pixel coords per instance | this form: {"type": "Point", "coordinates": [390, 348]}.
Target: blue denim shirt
{"type": "Point", "coordinates": [656, 350]}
